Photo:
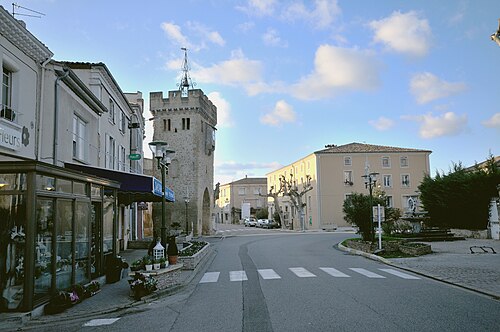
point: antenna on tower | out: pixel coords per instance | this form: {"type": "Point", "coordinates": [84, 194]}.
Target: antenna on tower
{"type": "Point", "coordinates": [15, 5]}
{"type": "Point", "coordinates": [186, 81]}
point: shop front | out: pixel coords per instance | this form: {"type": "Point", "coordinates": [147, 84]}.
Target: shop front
{"type": "Point", "coordinates": [57, 229]}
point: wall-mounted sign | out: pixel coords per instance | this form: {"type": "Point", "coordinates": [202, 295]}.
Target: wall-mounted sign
{"type": "Point", "coordinates": [134, 156]}
{"type": "Point", "coordinates": [10, 135]}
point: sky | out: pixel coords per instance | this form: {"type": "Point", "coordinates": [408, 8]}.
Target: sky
{"type": "Point", "coordinates": [289, 77]}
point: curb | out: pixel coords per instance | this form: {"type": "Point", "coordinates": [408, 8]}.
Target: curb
{"type": "Point", "coordinates": [388, 262]}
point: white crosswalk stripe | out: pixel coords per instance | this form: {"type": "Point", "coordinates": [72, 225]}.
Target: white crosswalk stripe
{"type": "Point", "coordinates": [301, 272]}
{"type": "Point", "coordinates": [210, 277]}
{"type": "Point", "coordinates": [237, 276]}
{"type": "Point", "coordinates": [399, 274]}
{"type": "Point", "coordinates": [367, 273]}
{"type": "Point", "coordinates": [101, 322]}
{"type": "Point", "coordinates": [334, 272]}
{"type": "Point", "coordinates": [268, 274]}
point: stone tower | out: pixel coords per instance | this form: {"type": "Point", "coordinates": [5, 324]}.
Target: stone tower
{"type": "Point", "coordinates": [186, 120]}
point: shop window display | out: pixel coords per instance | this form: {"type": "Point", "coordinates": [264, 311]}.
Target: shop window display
{"type": "Point", "coordinates": [12, 247]}
{"type": "Point", "coordinates": [43, 247]}
{"type": "Point", "coordinates": [64, 240]}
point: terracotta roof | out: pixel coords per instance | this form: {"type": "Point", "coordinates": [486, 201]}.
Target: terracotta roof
{"type": "Point", "coordinates": [262, 181]}
{"type": "Point", "coordinates": [366, 148]}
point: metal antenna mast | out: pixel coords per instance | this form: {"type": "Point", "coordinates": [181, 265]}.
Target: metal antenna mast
{"type": "Point", "coordinates": [15, 5]}
{"type": "Point", "coordinates": [186, 81]}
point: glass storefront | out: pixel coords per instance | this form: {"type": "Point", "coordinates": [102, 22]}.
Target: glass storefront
{"type": "Point", "coordinates": [43, 247]}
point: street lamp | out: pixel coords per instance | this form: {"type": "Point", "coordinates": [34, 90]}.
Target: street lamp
{"type": "Point", "coordinates": [161, 153]}
{"type": "Point", "coordinates": [370, 182]}
{"type": "Point", "coordinates": [186, 201]}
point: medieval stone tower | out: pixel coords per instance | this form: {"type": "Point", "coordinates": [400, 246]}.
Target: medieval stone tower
{"type": "Point", "coordinates": [186, 120]}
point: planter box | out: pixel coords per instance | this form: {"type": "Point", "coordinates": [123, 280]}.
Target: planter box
{"type": "Point", "coordinates": [421, 249]}
{"type": "Point", "coordinates": [167, 277]}
{"type": "Point", "coordinates": [190, 262]}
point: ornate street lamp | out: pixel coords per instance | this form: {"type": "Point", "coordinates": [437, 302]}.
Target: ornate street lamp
{"type": "Point", "coordinates": [161, 153]}
{"type": "Point", "coordinates": [370, 182]}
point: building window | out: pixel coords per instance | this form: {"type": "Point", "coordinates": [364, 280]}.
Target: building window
{"type": "Point", "coordinates": [386, 162]}
{"type": "Point", "coordinates": [79, 138]}
{"type": "Point", "coordinates": [111, 111]}
{"type": "Point", "coordinates": [241, 191]}
{"type": "Point", "coordinates": [405, 180]}
{"type": "Point", "coordinates": [348, 178]}
{"type": "Point", "coordinates": [123, 121]}
{"type": "Point", "coordinates": [403, 161]}
{"type": "Point", "coordinates": [347, 161]}
{"type": "Point", "coordinates": [389, 201]}
{"type": "Point", "coordinates": [186, 123]}
{"type": "Point", "coordinates": [122, 159]}
{"type": "Point", "coordinates": [388, 181]}
{"type": "Point", "coordinates": [6, 110]}
{"type": "Point", "coordinates": [256, 191]}
{"type": "Point", "coordinates": [110, 152]}
{"type": "Point", "coordinates": [169, 125]}
{"type": "Point", "coordinates": [164, 124]}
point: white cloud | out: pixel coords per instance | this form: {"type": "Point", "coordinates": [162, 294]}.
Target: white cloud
{"type": "Point", "coordinates": [206, 34]}
{"type": "Point", "coordinates": [282, 112]}
{"type": "Point", "coordinates": [272, 38]}
{"type": "Point", "coordinates": [382, 123]}
{"type": "Point", "coordinates": [229, 171]}
{"type": "Point", "coordinates": [238, 70]}
{"type": "Point", "coordinates": [174, 33]}
{"type": "Point", "coordinates": [449, 124]}
{"type": "Point", "coordinates": [493, 122]}
{"type": "Point", "coordinates": [338, 68]}
{"type": "Point", "coordinates": [321, 16]}
{"type": "Point", "coordinates": [404, 33]}
{"type": "Point", "coordinates": [427, 87]}
{"type": "Point", "coordinates": [259, 7]}
{"type": "Point", "coordinates": [224, 118]}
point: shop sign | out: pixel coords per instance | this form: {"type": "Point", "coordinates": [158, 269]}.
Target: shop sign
{"type": "Point", "coordinates": [10, 135]}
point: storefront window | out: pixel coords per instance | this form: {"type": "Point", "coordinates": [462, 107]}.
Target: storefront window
{"type": "Point", "coordinates": [82, 242]}
{"type": "Point", "coordinates": [64, 186]}
{"type": "Point", "coordinates": [46, 183]}
{"type": "Point", "coordinates": [12, 182]}
{"type": "Point", "coordinates": [43, 246]}
{"type": "Point", "coordinates": [79, 188]}
{"type": "Point", "coordinates": [64, 237]}
{"type": "Point", "coordinates": [107, 226]}
{"type": "Point", "coordinates": [12, 248]}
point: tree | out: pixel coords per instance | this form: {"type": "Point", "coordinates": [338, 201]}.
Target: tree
{"type": "Point", "coordinates": [292, 190]}
{"type": "Point", "coordinates": [261, 214]}
{"type": "Point", "coordinates": [461, 198]}
{"type": "Point", "coordinates": [274, 194]}
{"type": "Point", "coordinates": [357, 210]}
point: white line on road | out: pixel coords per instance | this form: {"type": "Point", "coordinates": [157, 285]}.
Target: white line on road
{"type": "Point", "coordinates": [399, 274]}
{"type": "Point", "coordinates": [100, 322]}
{"type": "Point", "coordinates": [366, 273]}
{"type": "Point", "coordinates": [210, 277]}
{"type": "Point", "coordinates": [237, 276]}
{"type": "Point", "coordinates": [268, 274]}
{"type": "Point", "coordinates": [301, 272]}
{"type": "Point", "coordinates": [334, 272]}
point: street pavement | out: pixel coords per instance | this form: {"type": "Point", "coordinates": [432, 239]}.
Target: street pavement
{"type": "Point", "coordinates": [451, 262]}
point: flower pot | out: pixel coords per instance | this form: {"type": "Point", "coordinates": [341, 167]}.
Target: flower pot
{"type": "Point", "coordinates": [172, 260]}
{"type": "Point", "coordinates": [156, 266]}
{"type": "Point", "coordinates": [149, 267]}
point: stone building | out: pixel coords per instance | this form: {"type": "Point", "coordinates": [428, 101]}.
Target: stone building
{"type": "Point", "coordinates": [186, 120]}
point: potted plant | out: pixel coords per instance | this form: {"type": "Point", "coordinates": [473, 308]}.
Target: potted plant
{"type": "Point", "coordinates": [172, 251]}
{"type": "Point", "coordinates": [137, 265]}
{"type": "Point", "coordinates": [148, 263]}
{"type": "Point", "coordinates": [163, 263]}
{"type": "Point", "coordinates": [142, 285]}
{"type": "Point", "coordinates": [156, 264]}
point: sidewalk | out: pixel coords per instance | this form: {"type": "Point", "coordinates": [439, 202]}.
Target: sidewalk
{"type": "Point", "coordinates": [452, 262]}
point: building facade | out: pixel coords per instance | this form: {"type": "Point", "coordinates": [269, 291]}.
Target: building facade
{"type": "Point", "coordinates": [233, 195]}
{"type": "Point", "coordinates": [337, 171]}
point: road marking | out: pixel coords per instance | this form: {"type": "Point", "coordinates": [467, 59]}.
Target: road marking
{"type": "Point", "coordinates": [399, 274]}
{"type": "Point", "coordinates": [366, 273]}
{"type": "Point", "coordinates": [268, 274]}
{"type": "Point", "coordinates": [100, 322]}
{"type": "Point", "coordinates": [334, 272]}
{"type": "Point", "coordinates": [210, 277]}
{"type": "Point", "coordinates": [301, 272]}
{"type": "Point", "coordinates": [237, 276]}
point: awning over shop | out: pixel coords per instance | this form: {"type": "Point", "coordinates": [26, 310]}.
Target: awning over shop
{"type": "Point", "coordinates": [133, 187]}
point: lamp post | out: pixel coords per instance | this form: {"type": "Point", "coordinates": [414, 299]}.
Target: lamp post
{"type": "Point", "coordinates": [161, 153]}
{"type": "Point", "coordinates": [370, 182]}
{"type": "Point", "coordinates": [186, 201]}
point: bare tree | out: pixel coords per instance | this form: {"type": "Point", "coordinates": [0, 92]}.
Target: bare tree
{"type": "Point", "coordinates": [274, 194]}
{"type": "Point", "coordinates": [496, 36]}
{"type": "Point", "coordinates": [291, 189]}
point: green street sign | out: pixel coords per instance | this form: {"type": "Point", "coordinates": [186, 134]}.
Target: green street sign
{"type": "Point", "coordinates": [134, 156]}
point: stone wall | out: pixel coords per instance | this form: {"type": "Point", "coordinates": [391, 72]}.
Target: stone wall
{"type": "Point", "coordinates": [190, 262]}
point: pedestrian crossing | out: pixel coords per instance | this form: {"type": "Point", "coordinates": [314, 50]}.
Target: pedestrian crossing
{"type": "Point", "coordinates": [300, 272]}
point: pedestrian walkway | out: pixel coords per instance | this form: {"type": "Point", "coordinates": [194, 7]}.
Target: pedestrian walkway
{"type": "Point", "coordinates": [301, 272]}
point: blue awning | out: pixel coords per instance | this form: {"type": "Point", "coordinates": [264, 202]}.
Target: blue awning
{"type": "Point", "coordinates": [133, 187]}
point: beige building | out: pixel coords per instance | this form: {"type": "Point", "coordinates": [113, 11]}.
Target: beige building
{"type": "Point", "coordinates": [337, 171]}
{"type": "Point", "coordinates": [233, 195]}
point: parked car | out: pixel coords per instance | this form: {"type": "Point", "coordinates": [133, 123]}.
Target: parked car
{"type": "Point", "coordinates": [250, 222]}
{"type": "Point", "coordinates": [262, 223]}
{"type": "Point", "coordinates": [272, 224]}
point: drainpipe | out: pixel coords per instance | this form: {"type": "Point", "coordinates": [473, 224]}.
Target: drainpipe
{"type": "Point", "coordinates": [39, 116]}
{"type": "Point", "coordinates": [56, 115]}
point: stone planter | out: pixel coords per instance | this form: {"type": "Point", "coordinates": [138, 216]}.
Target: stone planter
{"type": "Point", "coordinates": [190, 262]}
{"type": "Point", "coordinates": [415, 249]}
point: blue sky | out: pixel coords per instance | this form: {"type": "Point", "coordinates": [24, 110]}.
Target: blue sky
{"type": "Point", "coordinates": [289, 77]}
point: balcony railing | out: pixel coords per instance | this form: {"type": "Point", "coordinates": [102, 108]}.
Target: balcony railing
{"type": "Point", "coordinates": [6, 112]}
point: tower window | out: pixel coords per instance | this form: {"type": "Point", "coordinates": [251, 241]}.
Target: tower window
{"type": "Point", "coordinates": [183, 123]}
{"type": "Point", "coordinates": [186, 123]}
{"type": "Point", "coordinates": [164, 124]}
{"type": "Point", "coordinates": [169, 125]}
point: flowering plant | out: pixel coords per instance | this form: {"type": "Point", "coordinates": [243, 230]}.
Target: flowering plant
{"type": "Point", "coordinates": [143, 282]}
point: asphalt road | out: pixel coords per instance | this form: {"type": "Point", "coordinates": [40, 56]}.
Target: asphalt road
{"type": "Point", "coordinates": [300, 282]}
